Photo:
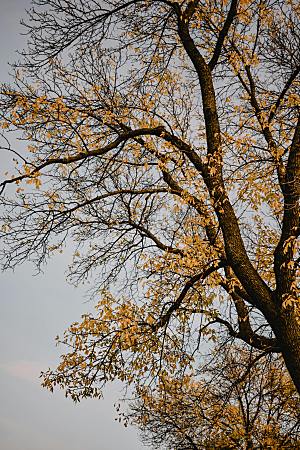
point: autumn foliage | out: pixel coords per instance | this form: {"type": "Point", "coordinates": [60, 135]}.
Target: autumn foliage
{"type": "Point", "coordinates": [239, 399]}
{"type": "Point", "coordinates": [164, 144]}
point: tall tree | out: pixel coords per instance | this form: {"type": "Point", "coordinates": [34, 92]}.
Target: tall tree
{"type": "Point", "coordinates": [164, 140]}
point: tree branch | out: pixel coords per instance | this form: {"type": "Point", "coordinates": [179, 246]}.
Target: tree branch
{"type": "Point", "coordinates": [85, 155]}
{"type": "Point", "coordinates": [290, 223]}
{"type": "Point", "coordinates": [236, 253]}
{"type": "Point", "coordinates": [159, 244]}
{"type": "Point", "coordinates": [223, 33]}
{"type": "Point", "coordinates": [164, 320]}
{"type": "Point", "coordinates": [286, 87]}
{"type": "Point", "coordinates": [245, 332]}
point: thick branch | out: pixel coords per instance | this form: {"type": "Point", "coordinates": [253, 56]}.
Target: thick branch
{"type": "Point", "coordinates": [290, 223]}
{"type": "Point", "coordinates": [223, 33]}
{"type": "Point", "coordinates": [246, 332]}
{"type": "Point", "coordinates": [186, 149]}
{"type": "Point", "coordinates": [235, 250]}
{"type": "Point", "coordinates": [85, 155]}
{"type": "Point", "coordinates": [255, 341]}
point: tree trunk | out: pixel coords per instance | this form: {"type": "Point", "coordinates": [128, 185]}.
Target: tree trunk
{"type": "Point", "coordinates": [287, 331]}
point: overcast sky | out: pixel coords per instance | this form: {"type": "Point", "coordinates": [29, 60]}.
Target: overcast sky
{"type": "Point", "coordinates": [33, 311]}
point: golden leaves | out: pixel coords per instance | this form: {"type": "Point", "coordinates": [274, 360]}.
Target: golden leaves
{"type": "Point", "coordinates": [32, 176]}
{"type": "Point", "coordinates": [102, 196]}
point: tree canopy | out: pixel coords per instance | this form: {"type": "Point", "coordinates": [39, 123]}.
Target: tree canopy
{"type": "Point", "coordinates": [164, 141]}
{"type": "Point", "coordinates": [239, 399]}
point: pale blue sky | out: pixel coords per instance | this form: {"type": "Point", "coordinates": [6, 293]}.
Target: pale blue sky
{"type": "Point", "coordinates": [33, 310]}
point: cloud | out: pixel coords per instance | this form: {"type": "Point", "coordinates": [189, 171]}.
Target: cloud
{"type": "Point", "coordinates": [25, 370]}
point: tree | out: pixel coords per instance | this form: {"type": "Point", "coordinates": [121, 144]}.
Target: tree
{"type": "Point", "coordinates": [164, 140]}
{"type": "Point", "coordinates": [239, 399]}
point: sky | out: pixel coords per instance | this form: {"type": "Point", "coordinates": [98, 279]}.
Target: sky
{"type": "Point", "coordinates": [33, 310]}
